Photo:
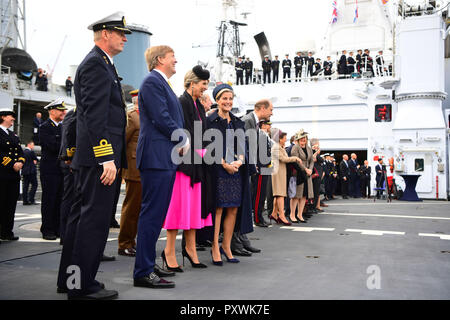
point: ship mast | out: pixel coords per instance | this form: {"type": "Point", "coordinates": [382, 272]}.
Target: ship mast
{"type": "Point", "coordinates": [229, 46]}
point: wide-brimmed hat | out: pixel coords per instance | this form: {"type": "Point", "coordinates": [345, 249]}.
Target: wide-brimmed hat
{"type": "Point", "coordinates": [301, 134]}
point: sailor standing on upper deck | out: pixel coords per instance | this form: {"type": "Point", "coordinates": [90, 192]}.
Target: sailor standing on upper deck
{"type": "Point", "coordinates": [100, 152]}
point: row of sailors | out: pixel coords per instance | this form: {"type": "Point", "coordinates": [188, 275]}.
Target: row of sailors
{"type": "Point", "coordinates": [309, 66]}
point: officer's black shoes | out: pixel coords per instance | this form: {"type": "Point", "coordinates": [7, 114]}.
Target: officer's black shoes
{"type": "Point", "coordinates": [103, 294]}
{"type": "Point", "coordinates": [153, 281]}
{"type": "Point", "coordinates": [9, 238]}
{"type": "Point", "coordinates": [114, 224]}
{"type": "Point", "coordinates": [163, 273]}
{"type": "Point", "coordinates": [241, 253]}
{"type": "Point", "coordinates": [129, 252]}
{"type": "Point", "coordinates": [65, 290]}
{"type": "Point", "coordinates": [252, 249]}
{"type": "Point", "coordinates": [106, 258]}
{"type": "Point", "coordinates": [49, 237]}
{"type": "Point", "coordinates": [261, 224]}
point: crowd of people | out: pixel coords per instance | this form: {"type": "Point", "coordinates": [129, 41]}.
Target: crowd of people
{"type": "Point", "coordinates": [214, 189]}
{"type": "Point", "coordinates": [306, 67]}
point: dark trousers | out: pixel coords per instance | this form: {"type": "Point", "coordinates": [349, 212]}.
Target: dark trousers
{"type": "Point", "coordinates": [259, 194]}
{"type": "Point", "coordinates": [328, 187]}
{"type": "Point", "coordinates": [365, 186]}
{"type": "Point", "coordinates": [275, 76]}
{"type": "Point", "coordinates": [269, 196]}
{"type": "Point", "coordinates": [239, 78]}
{"type": "Point", "coordinates": [287, 74]}
{"type": "Point", "coordinates": [266, 76]}
{"type": "Point", "coordinates": [316, 189]}
{"type": "Point", "coordinates": [9, 193]}
{"type": "Point", "coordinates": [248, 77]}
{"type": "Point", "coordinates": [116, 199]}
{"type": "Point", "coordinates": [344, 187]}
{"type": "Point", "coordinates": [27, 194]}
{"type": "Point", "coordinates": [298, 74]}
{"type": "Point", "coordinates": [354, 186]}
{"type": "Point", "coordinates": [52, 192]}
{"type": "Point", "coordinates": [157, 188]}
{"type": "Point", "coordinates": [67, 200]}
{"type": "Point", "coordinates": [87, 229]}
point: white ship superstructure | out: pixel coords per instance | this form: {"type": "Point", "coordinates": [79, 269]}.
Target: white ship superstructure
{"type": "Point", "coordinates": [397, 114]}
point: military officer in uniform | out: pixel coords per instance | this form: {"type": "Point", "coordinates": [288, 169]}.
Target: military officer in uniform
{"type": "Point", "coordinates": [328, 66]}
{"type": "Point", "coordinates": [100, 153]}
{"type": "Point", "coordinates": [248, 71]}
{"type": "Point", "coordinates": [310, 64]}
{"type": "Point", "coordinates": [275, 69]}
{"type": "Point", "coordinates": [267, 68]}
{"type": "Point", "coordinates": [365, 175]}
{"type": "Point", "coordinates": [298, 63]}
{"type": "Point", "coordinates": [52, 180]}
{"type": "Point", "coordinates": [239, 67]}
{"type": "Point", "coordinates": [351, 62]}
{"type": "Point", "coordinates": [12, 161]}
{"type": "Point", "coordinates": [286, 64]}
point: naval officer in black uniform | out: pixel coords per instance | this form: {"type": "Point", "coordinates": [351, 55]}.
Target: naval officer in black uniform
{"type": "Point", "coordinates": [51, 174]}
{"type": "Point", "coordinates": [275, 69]}
{"type": "Point", "coordinates": [248, 65]}
{"type": "Point", "coordinates": [100, 152]}
{"type": "Point", "coordinates": [286, 64]}
{"type": "Point", "coordinates": [267, 68]}
{"type": "Point", "coordinates": [239, 67]}
{"type": "Point", "coordinates": [11, 162]}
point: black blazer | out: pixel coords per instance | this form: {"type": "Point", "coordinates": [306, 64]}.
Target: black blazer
{"type": "Point", "coordinates": [344, 170]}
{"type": "Point", "coordinates": [101, 116]}
{"type": "Point", "coordinates": [10, 153]}
{"type": "Point", "coordinates": [50, 138]}
{"type": "Point", "coordinates": [29, 168]}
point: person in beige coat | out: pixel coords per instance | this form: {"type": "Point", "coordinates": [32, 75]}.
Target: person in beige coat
{"type": "Point", "coordinates": [304, 190]}
{"type": "Point", "coordinates": [132, 204]}
{"type": "Point", "coordinates": [279, 176]}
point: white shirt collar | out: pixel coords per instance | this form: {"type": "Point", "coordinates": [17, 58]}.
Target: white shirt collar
{"type": "Point", "coordinates": [109, 57]}
{"type": "Point", "coordinates": [256, 117]}
{"type": "Point", "coordinates": [56, 123]}
{"type": "Point", "coordinates": [4, 129]}
{"type": "Point", "coordinates": [162, 74]}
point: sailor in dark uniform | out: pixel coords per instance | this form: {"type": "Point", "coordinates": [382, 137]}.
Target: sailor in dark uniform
{"type": "Point", "coordinates": [275, 69]}
{"type": "Point", "coordinates": [380, 63]}
{"type": "Point", "coordinates": [298, 63]}
{"type": "Point", "coordinates": [342, 65]}
{"type": "Point", "coordinates": [317, 67]}
{"type": "Point", "coordinates": [351, 63]}
{"type": "Point", "coordinates": [367, 61]}
{"type": "Point", "coordinates": [66, 153]}
{"type": "Point", "coordinates": [239, 67]}
{"type": "Point", "coordinates": [248, 70]}
{"type": "Point", "coordinates": [328, 66]}
{"type": "Point", "coordinates": [286, 64]}
{"type": "Point", "coordinates": [267, 68]}
{"type": "Point", "coordinates": [52, 180]}
{"type": "Point", "coordinates": [11, 162]}
{"type": "Point", "coordinates": [359, 61]}
{"type": "Point", "coordinates": [310, 64]}
{"type": "Point", "coordinates": [100, 153]}
{"type": "Point", "coordinates": [29, 174]}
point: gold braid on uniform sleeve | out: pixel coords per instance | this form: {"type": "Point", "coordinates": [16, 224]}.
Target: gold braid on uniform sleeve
{"type": "Point", "coordinates": [104, 149]}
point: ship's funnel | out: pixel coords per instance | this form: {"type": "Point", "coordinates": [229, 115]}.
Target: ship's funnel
{"type": "Point", "coordinates": [263, 45]}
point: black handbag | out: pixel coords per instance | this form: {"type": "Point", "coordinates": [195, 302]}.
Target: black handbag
{"type": "Point", "coordinates": [301, 177]}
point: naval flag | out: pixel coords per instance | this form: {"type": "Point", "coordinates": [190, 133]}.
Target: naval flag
{"type": "Point", "coordinates": [385, 1]}
{"type": "Point", "coordinates": [335, 14]}
{"type": "Point", "coordinates": [356, 12]}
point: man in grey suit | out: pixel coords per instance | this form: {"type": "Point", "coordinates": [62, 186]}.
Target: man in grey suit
{"type": "Point", "coordinates": [240, 244]}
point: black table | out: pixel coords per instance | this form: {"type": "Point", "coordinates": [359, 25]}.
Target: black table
{"type": "Point", "coordinates": [410, 193]}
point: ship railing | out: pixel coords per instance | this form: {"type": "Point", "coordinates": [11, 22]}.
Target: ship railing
{"type": "Point", "coordinates": [5, 78]}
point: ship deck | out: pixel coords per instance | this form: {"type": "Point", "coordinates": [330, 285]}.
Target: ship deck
{"type": "Point", "coordinates": [357, 249]}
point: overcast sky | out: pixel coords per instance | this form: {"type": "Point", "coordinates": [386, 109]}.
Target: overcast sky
{"type": "Point", "coordinates": [180, 24]}
{"type": "Point", "coordinates": [61, 25]}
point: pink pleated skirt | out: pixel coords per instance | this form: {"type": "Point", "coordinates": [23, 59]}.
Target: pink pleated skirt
{"type": "Point", "coordinates": [185, 209]}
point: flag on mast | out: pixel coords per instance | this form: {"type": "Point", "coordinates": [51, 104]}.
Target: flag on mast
{"type": "Point", "coordinates": [356, 12]}
{"type": "Point", "coordinates": [335, 13]}
{"type": "Point", "coordinates": [385, 1]}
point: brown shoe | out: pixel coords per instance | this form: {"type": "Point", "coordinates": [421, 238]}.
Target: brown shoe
{"type": "Point", "coordinates": [129, 252]}
{"type": "Point", "coordinates": [324, 205]}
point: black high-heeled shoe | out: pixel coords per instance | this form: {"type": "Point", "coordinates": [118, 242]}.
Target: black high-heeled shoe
{"type": "Point", "coordinates": [176, 269]}
{"type": "Point", "coordinates": [193, 264]}
{"type": "Point", "coordinates": [272, 218]}
{"type": "Point", "coordinates": [216, 263]}
{"type": "Point", "coordinates": [230, 260]}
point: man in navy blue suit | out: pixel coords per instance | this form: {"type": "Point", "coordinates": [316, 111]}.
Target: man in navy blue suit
{"type": "Point", "coordinates": [100, 153]}
{"type": "Point", "coordinates": [161, 115]}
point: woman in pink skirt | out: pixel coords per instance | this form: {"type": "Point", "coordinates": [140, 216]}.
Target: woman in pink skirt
{"type": "Point", "coordinates": [188, 208]}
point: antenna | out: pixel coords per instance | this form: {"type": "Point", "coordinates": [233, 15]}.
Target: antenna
{"type": "Point", "coordinates": [12, 26]}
